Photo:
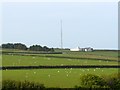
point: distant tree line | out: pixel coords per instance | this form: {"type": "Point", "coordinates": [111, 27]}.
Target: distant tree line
{"type": "Point", "coordinates": [21, 46]}
{"type": "Point", "coordinates": [14, 46]}
{"type": "Point", "coordinates": [40, 48]}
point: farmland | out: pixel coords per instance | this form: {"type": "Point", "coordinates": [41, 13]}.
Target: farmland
{"type": "Point", "coordinates": [58, 77]}
{"type": "Point", "coordinates": [64, 78]}
{"type": "Point", "coordinates": [67, 58]}
{"type": "Point", "coordinates": [15, 60]}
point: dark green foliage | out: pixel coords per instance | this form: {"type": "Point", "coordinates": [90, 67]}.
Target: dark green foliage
{"type": "Point", "coordinates": [36, 48]}
{"type": "Point", "coordinates": [24, 47]}
{"type": "Point", "coordinates": [45, 48]}
{"type": "Point", "coordinates": [17, 85]}
{"type": "Point", "coordinates": [8, 46]}
{"type": "Point", "coordinates": [40, 48]}
{"type": "Point", "coordinates": [20, 46]}
{"type": "Point", "coordinates": [92, 81]}
{"type": "Point", "coordinates": [14, 46]}
{"type": "Point", "coordinates": [113, 81]}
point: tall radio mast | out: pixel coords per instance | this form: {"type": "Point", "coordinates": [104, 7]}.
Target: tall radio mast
{"type": "Point", "coordinates": [61, 35]}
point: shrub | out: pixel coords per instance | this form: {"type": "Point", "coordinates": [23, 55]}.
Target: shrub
{"type": "Point", "coordinates": [92, 81]}
{"type": "Point", "coordinates": [113, 81]}
{"type": "Point", "coordinates": [17, 85]}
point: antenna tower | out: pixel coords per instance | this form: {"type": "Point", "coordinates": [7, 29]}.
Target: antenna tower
{"type": "Point", "coordinates": [61, 36]}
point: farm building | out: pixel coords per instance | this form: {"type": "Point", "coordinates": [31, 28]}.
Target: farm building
{"type": "Point", "coordinates": [75, 49]}
{"type": "Point", "coordinates": [88, 49]}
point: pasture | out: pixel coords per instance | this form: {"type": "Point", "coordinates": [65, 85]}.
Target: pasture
{"type": "Point", "coordinates": [16, 60]}
{"type": "Point", "coordinates": [63, 78]}
{"type": "Point", "coordinates": [67, 58]}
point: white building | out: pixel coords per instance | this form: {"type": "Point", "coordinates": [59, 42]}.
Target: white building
{"type": "Point", "coordinates": [75, 49]}
{"type": "Point", "coordinates": [88, 49]}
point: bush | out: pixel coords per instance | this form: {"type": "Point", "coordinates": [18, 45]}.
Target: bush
{"type": "Point", "coordinates": [113, 81]}
{"type": "Point", "coordinates": [9, 84]}
{"type": "Point", "coordinates": [17, 85]}
{"type": "Point", "coordinates": [92, 81]}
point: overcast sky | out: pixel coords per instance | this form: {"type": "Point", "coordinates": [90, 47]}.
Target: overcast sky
{"type": "Point", "coordinates": [87, 24]}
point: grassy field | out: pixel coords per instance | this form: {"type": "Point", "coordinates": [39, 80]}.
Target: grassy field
{"type": "Point", "coordinates": [64, 78]}
{"type": "Point", "coordinates": [67, 58]}
{"type": "Point", "coordinates": [58, 77]}
{"type": "Point", "coordinates": [16, 60]}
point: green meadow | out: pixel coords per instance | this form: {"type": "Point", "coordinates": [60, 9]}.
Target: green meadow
{"type": "Point", "coordinates": [63, 78]}
{"type": "Point", "coordinates": [16, 60]}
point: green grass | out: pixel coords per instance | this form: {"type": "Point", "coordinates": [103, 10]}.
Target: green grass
{"type": "Point", "coordinates": [64, 78]}
{"type": "Point", "coordinates": [16, 60]}
{"type": "Point", "coordinates": [109, 53]}
{"type": "Point", "coordinates": [67, 58]}
{"type": "Point", "coordinates": [94, 54]}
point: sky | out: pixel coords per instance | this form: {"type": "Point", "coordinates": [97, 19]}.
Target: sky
{"type": "Point", "coordinates": [84, 24]}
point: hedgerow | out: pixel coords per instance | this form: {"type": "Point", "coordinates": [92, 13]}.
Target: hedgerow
{"type": "Point", "coordinates": [21, 85]}
{"type": "Point", "coordinates": [111, 82]}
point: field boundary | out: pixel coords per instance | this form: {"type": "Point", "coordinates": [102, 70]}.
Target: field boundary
{"type": "Point", "coordinates": [56, 67]}
{"type": "Point", "coordinates": [31, 52]}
